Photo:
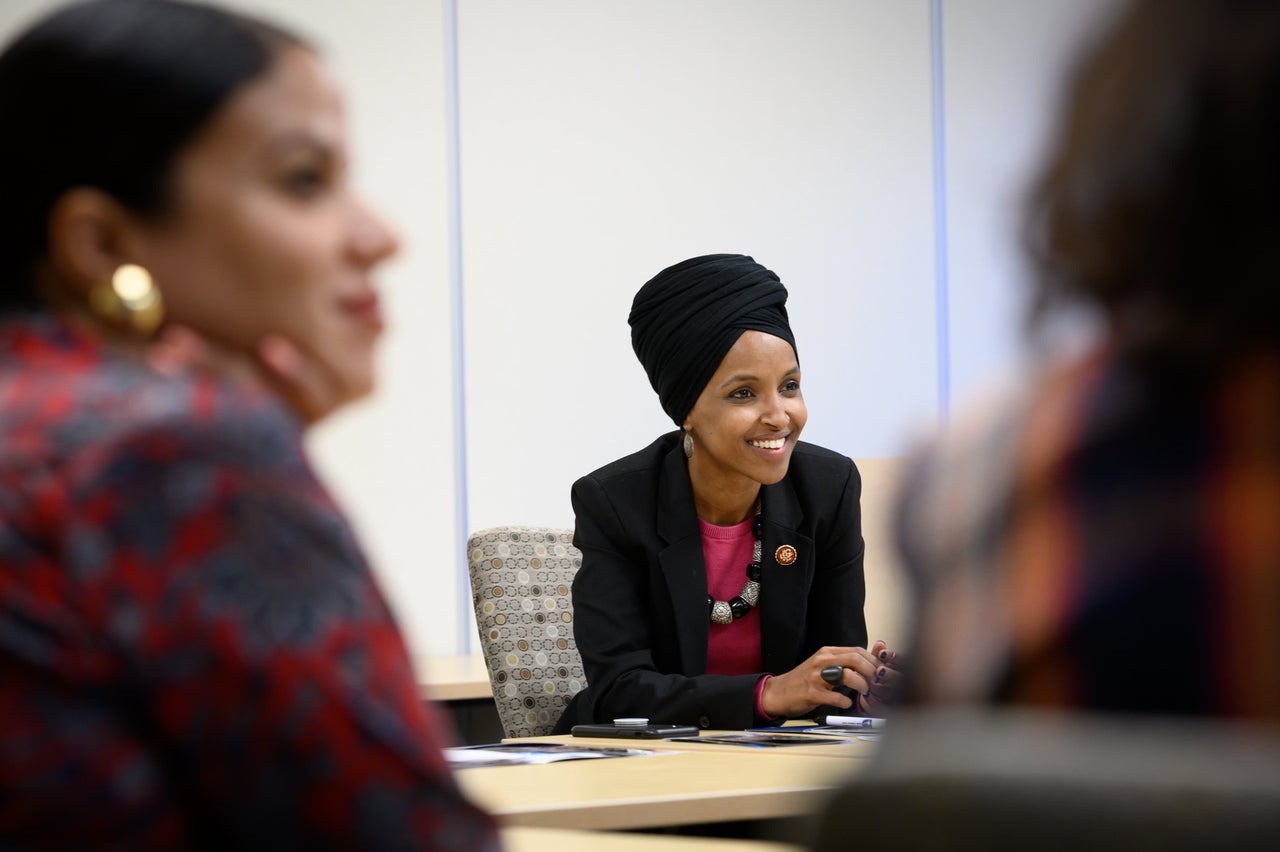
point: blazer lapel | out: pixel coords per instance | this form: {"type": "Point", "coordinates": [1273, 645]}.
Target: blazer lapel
{"type": "Point", "coordinates": [681, 561]}
{"type": "Point", "coordinates": [784, 589]}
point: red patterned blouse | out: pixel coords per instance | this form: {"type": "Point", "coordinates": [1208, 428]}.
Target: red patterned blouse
{"type": "Point", "coordinates": [193, 651]}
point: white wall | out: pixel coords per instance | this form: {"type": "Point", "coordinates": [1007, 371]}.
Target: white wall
{"type": "Point", "coordinates": [601, 140]}
{"type": "Point", "coordinates": [604, 141]}
{"type": "Point", "coordinates": [1006, 64]}
{"type": "Point", "coordinates": [391, 459]}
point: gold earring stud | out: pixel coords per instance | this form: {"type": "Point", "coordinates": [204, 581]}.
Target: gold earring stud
{"type": "Point", "coordinates": [130, 298]}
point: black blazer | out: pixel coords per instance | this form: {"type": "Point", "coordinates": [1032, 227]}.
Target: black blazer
{"type": "Point", "coordinates": [640, 597]}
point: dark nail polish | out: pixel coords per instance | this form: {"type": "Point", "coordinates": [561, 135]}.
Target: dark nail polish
{"type": "Point", "coordinates": [884, 656]}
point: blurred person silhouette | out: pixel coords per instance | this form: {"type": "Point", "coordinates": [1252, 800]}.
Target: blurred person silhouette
{"type": "Point", "coordinates": [1109, 537]}
{"type": "Point", "coordinates": [722, 564]}
{"type": "Point", "coordinates": [193, 651]}
{"type": "Point", "coordinates": [1095, 654]}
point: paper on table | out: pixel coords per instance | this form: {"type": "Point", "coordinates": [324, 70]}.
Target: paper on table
{"type": "Point", "coordinates": [870, 733]}
{"type": "Point", "coordinates": [871, 736]}
{"type": "Point", "coordinates": [508, 754]}
{"type": "Point", "coordinates": [759, 737]}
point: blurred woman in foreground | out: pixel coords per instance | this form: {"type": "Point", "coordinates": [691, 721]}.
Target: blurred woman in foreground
{"type": "Point", "coordinates": [195, 653]}
{"type": "Point", "coordinates": [1110, 539]}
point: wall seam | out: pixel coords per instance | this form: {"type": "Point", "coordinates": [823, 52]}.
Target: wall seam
{"type": "Point", "coordinates": [453, 171]}
{"type": "Point", "coordinates": [942, 284]}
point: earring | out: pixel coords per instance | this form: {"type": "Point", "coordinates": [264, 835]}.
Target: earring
{"type": "Point", "coordinates": [688, 445]}
{"type": "Point", "coordinates": [130, 298]}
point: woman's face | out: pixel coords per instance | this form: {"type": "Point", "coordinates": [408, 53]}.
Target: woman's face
{"type": "Point", "coordinates": [266, 236]}
{"type": "Point", "coordinates": [748, 418]}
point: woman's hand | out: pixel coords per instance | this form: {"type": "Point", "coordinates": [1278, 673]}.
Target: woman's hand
{"type": "Point", "coordinates": [886, 684]}
{"type": "Point", "coordinates": [276, 363]}
{"type": "Point", "coordinates": [305, 388]}
{"type": "Point", "coordinates": [802, 689]}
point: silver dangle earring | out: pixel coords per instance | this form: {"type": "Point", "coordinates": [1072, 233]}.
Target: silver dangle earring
{"type": "Point", "coordinates": [688, 445]}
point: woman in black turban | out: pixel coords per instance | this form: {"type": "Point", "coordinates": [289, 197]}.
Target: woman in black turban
{"type": "Point", "coordinates": [722, 564]}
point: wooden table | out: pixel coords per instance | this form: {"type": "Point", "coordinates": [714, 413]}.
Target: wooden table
{"type": "Point", "coordinates": [665, 789]}
{"type": "Point", "coordinates": [453, 678]}
{"type": "Point", "coordinates": [567, 840]}
{"type": "Point", "coordinates": [854, 747]}
{"type": "Point", "coordinates": [460, 685]}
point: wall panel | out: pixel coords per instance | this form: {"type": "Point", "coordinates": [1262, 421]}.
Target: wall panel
{"type": "Point", "coordinates": [604, 141]}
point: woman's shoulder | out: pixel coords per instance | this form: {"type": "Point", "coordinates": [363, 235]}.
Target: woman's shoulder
{"type": "Point", "coordinates": [74, 404]}
{"type": "Point", "coordinates": [956, 480]}
{"type": "Point", "coordinates": [818, 467]}
{"type": "Point", "coordinates": [646, 461]}
{"type": "Point", "coordinates": [807, 453]}
{"type": "Point", "coordinates": [207, 421]}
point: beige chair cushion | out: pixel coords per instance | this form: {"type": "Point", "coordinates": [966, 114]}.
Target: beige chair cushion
{"type": "Point", "coordinates": [520, 581]}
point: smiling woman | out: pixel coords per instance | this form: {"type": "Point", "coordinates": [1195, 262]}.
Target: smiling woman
{"type": "Point", "coordinates": [669, 625]}
{"type": "Point", "coordinates": [195, 650]}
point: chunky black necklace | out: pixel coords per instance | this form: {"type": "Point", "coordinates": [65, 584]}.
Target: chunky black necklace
{"type": "Point", "coordinates": [724, 612]}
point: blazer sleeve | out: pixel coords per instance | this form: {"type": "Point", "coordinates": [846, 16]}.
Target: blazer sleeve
{"type": "Point", "coordinates": [838, 594]}
{"type": "Point", "coordinates": [626, 632]}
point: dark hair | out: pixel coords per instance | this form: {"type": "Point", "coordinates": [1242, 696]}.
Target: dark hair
{"type": "Point", "coordinates": [1161, 200]}
{"type": "Point", "coordinates": [105, 94]}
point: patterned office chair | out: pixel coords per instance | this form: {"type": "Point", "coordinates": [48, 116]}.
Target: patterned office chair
{"type": "Point", "coordinates": [520, 580]}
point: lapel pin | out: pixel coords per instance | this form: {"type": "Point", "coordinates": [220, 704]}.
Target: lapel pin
{"type": "Point", "coordinates": [785, 555]}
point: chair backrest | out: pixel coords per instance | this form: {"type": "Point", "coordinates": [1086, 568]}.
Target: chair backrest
{"type": "Point", "coordinates": [520, 581]}
{"type": "Point", "coordinates": [1015, 778]}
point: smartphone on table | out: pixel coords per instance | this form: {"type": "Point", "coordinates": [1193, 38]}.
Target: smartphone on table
{"type": "Point", "coordinates": [637, 728]}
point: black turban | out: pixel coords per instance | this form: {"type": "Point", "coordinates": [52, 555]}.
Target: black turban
{"type": "Point", "coordinates": [686, 318]}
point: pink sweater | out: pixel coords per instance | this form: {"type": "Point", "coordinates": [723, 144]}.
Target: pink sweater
{"type": "Point", "coordinates": [732, 648]}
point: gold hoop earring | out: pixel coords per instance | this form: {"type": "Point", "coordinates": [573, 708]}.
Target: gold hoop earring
{"type": "Point", "coordinates": [688, 445]}
{"type": "Point", "coordinates": [130, 298]}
